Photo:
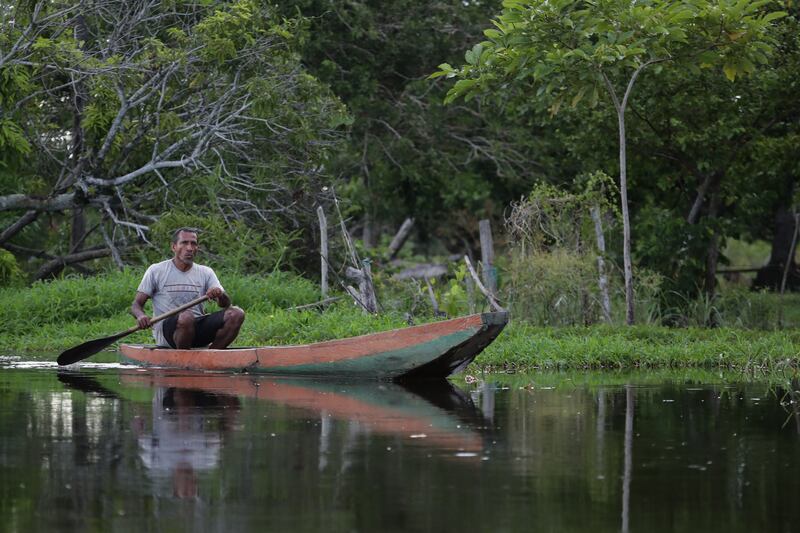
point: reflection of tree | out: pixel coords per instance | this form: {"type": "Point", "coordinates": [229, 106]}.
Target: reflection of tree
{"type": "Point", "coordinates": [181, 443]}
{"type": "Point", "coordinates": [796, 402]}
{"type": "Point", "coordinates": [628, 473]}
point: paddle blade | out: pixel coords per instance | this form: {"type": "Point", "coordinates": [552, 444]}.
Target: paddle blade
{"type": "Point", "coordinates": [82, 351]}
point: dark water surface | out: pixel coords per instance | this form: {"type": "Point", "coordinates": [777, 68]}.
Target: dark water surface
{"type": "Point", "coordinates": [109, 448]}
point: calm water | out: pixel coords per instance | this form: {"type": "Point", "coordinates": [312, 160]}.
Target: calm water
{"type": "Point", "coordinates": [105, 448]}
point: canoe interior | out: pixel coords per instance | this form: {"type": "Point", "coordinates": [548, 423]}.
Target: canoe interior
{"type": "Point", "coordinates": [434, 350]}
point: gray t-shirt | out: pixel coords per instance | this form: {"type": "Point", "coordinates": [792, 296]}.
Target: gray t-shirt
{"type": "Point", "coordinates": [170, 288]}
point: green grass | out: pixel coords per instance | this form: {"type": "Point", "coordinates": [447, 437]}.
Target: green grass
{"type": "Point", "coordinates": [47, 318]}
{"type": "Point", "coordinates": [526, 347]}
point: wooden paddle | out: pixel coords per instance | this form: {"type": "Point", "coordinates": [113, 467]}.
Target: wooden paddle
{"type": "Point", "coordinates": [82, 351]}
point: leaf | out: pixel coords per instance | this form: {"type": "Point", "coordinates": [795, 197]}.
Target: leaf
{"type": "Point", "coordinates": [473, 56]}
{"type": "Point", "coordinates": [460, 89]}
{"type": "Point", "coordinates": [445, 70]}
{"type": "Point", "coordinates": [775, 15]}
{"type": "Point", "coordinates": [730, 71]}
{"type": "Point", "coordinates": [579, 96]}
{"type": "Point", "coordinates": [41, 43]}
{"type": "Point", "coordinates": [462, 86]}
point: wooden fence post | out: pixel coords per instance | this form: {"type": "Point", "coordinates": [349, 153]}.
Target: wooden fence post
{"type": "Point", "coordinates": [323, 250]}
{"type": "Point", "coordinates": [400, 238]}
{"type": "Point", "coordinates": [487, 257]}
{"type": "Point", "coordinates": [605, 300]}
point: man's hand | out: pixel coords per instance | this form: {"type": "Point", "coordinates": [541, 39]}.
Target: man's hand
{"type": "Point", "coordinates": [220, 296]}
{"type": "Point", "coordinates": [143, 321]}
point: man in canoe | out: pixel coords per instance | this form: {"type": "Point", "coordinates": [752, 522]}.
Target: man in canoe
{"type": "Point", "coordinates": [177, 281]}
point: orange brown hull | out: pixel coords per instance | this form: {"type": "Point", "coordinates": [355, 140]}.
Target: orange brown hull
{"type": "Point", "coordinates": [434, 350]}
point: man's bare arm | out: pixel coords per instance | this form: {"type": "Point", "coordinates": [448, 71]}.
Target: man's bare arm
{"type": "Point", "coordinates": [137, 310]}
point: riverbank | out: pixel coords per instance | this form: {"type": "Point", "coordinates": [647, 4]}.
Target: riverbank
{"type": "Point", "coordinates": [43, 320]}
{"type": "Point", "coordinates": [520, 347]}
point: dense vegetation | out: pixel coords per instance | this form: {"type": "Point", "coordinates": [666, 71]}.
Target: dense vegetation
{"type": "Point", "coordinates": [122, 120]}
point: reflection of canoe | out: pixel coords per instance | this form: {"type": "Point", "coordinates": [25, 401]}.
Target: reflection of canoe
{"type": "Point", "coordinates": [388, 409]}
{"type": "Point", "coordinates": [433, 350]}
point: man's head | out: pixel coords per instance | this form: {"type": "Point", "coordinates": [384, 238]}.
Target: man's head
{"type": "Point", "coordinates": [184, 246]}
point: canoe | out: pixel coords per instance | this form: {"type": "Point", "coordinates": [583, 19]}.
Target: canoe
{"type": "Point", "coordinates": [434, 350]}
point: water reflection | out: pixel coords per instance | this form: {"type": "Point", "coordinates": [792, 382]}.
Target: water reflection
{"type": "Point", "coordinates": [141, 450]}
{"type": "Point", "coordinates": [433, 413]}
{"type": "Point", "coordinates": [181, 443]}
{"type": "Point", "coordinates": [791, 400]}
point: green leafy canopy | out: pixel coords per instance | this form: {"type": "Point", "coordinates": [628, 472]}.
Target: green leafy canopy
{"type": "Point", "coordinates": [564, 47]}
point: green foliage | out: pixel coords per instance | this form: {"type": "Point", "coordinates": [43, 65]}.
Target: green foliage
{"type": "Point", "coordinates": [567, 49]}
{"type": "Point", "coordinates": [66, 312]}
{"type": "Point", "coordinates": [11, 137]}
{"type": "Point", "coordinates": [455, 300]}
{"type": "Point", "coordinates": [67, 300]}
{"type": "Point", "coordinates": [667, 244]}
{"type": "Point", "coordinates": [228, 244]}
{"type": "Point", "coordinates": [214, 92]}
{"type": "Point", "coordinates": [10, 273]}
{"type": "Point", "coordinates": [407, 154]}
{"type": "Point", "coordinates": [552, 277]}
{"type": "Point", "coordinates": [553, 218]}
{"type": "Point", "coordinates": [543, 55]}
{"type": "Point", "coordinates": [523, 346]}
{"type": "Point", "coordinates": [739, 307]}
{"type": "Point", "coordinates": [297, 327]}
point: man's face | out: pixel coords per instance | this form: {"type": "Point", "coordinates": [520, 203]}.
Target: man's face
{"type": "Point", "coordinates": [186, 247]}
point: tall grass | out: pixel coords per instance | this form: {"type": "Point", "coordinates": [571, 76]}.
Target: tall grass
{"type": "Point", "coordinates": [77, 299]}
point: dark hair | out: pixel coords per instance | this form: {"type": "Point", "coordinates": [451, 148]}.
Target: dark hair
{"type": "Point", "coordinates": [179, 230]}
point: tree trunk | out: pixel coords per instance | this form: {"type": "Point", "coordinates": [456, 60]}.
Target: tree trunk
{"type": "Point", "coordinates": [770, 276]}
{"type": "Point", "coordinates": [626, 220]}
{"type": "Point", "coordinates": [18, 226]}
{"type": "Point", "coordinates": [78, 230]}
{"type": "Point", "coordinates": [623, 184]}
{"type": "Point", "coordinates": [605, 299]}
{"type": "Point", "coordinates": [712, 257]}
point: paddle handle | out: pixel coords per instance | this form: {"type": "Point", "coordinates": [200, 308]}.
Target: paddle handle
{"type": "Point", "coordinates": [168, 314]}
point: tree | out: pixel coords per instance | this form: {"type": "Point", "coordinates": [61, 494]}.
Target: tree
{"type": "Point", "coordinates": [407, 154]}
{"type": "Point", "coordinates": [570, 51]}
{"type": "Point", "coordinates": [136, 108]}
{"type": "Point", "coordinates": [721, 160]}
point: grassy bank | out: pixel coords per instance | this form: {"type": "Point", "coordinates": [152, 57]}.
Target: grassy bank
{"type": "Point", "coordinates": [47, 318]}
{"type": "Point", "coordinates": [617, 347]}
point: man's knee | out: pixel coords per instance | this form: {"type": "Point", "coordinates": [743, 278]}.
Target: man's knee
{"type": "Point", "coordinates": [185, 321]}
{"type": "Point", "coordinates": [234, 315]}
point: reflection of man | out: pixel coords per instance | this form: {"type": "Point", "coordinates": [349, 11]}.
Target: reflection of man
{"type": "Point", "coordinates": [181, 445]}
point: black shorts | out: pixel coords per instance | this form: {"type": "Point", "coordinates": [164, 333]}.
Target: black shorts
{"type": "Point", "coordinates": [205, 328]}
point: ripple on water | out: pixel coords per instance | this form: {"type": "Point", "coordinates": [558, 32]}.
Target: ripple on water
{"type": "Point", "coordinates": [15, 361]}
